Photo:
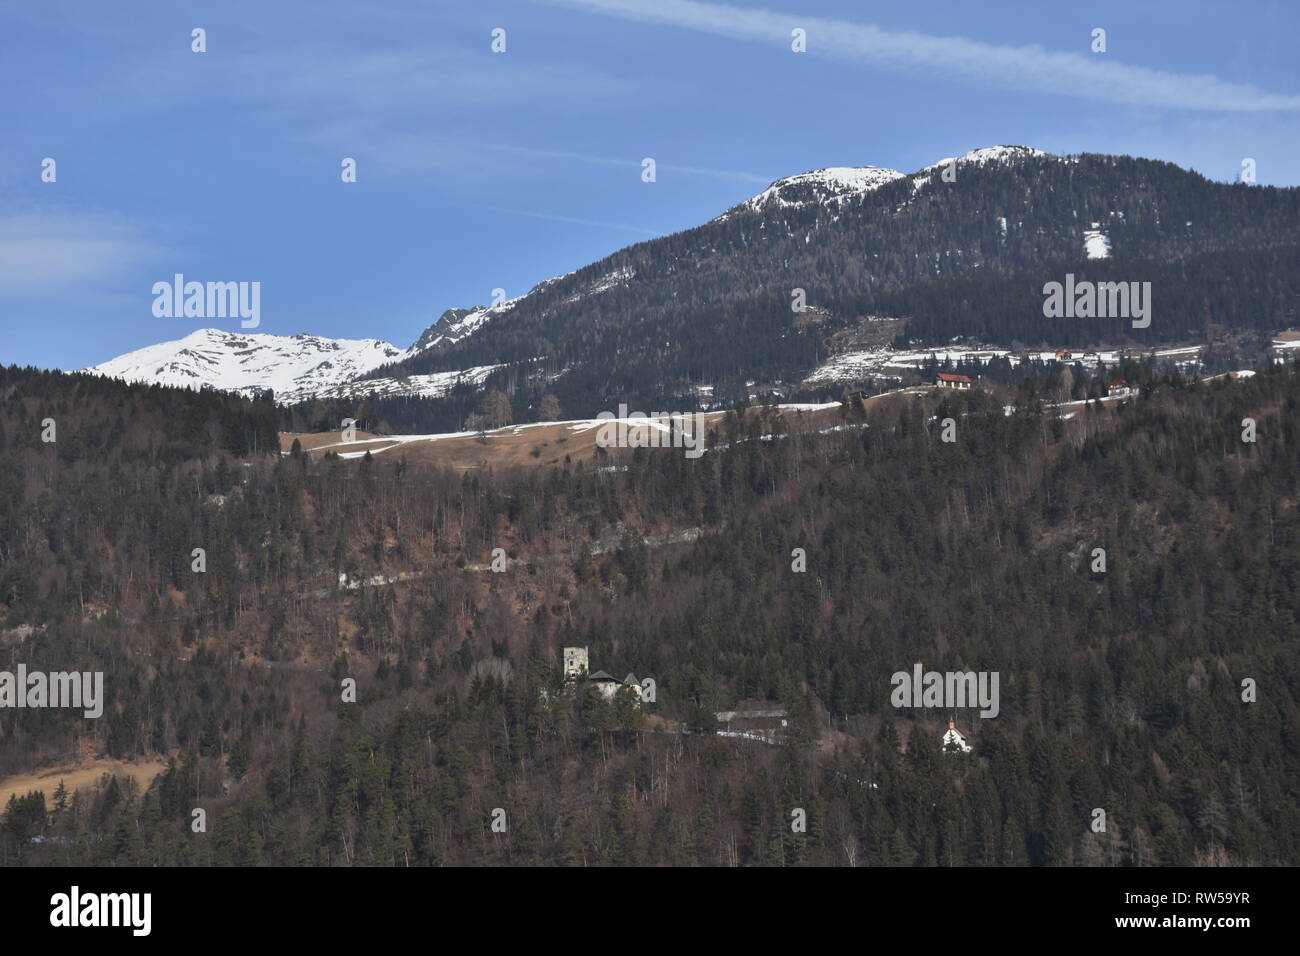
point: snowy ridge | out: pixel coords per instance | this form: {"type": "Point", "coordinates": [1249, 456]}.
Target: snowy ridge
{"type": "Point", "coordinates": [295, 366]}
{"type": "Point", "coordinates": [452, 326]}
{"type": "Point", "coordinates": [837, 184]}
{"type": "Point", "coordinates": [604, 284]}
{"type": "Point", "coordinates": [456, 324]}
{"type": "Point", "coordinates": [819, 187]}
{"type": "Point", "coordinates": [433, 385]}
{"type": "Point", "coordinates": [991, 154]}
{"type": "Point", "coordinates": [981, 156]}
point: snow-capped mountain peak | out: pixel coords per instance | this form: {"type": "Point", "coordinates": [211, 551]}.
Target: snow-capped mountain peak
{"type": "Point", "coordinates": [991, 154]}
{"type": "Point", "coordinates": [452, 326]}
{"type": "Point", "coordinates": [832, 185]}
{"type": "Point", "coordinates": [980, 157]}
{"type": "Point", "coordinates": [837, 184]}
{"type": "Point", "coordinates": [295, 366]}
{"type": "Point", "coordinates": [456, 324]}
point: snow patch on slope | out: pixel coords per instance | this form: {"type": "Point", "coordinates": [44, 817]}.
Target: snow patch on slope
{"type": "Point", "coordinates": [1096, 244]}
{"type": "Point", "coordinates": [887, 362]}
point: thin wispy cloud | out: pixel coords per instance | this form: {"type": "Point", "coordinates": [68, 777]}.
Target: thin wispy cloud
{"type": "Point", "coordinates": [401, 151]}
{"type": "Point", "coordinates": [552, 217]}
{"type": "Point", "coordinates": [425, 80]}
{"type": "Point", "coordinates": [731, 174]}
{"type": "Point", "coordinates": [1031, 68]}
{"type": "Point", "coordinates": [53, 252]}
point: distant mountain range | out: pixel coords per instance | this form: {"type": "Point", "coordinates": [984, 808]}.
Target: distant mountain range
{"type": "Point", "coordinates": [956, 251]}
{"type": "Point", "coordinates": [294, 366]}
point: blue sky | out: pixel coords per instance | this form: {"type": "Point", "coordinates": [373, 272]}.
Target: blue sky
{"type": "Point", "coordinates": [479, 170]}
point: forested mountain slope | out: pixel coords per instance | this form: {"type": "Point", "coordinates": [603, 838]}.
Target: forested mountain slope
{"type": "Point", "coordinates": [960, 258]}
{"type": "Point", "coordinates": [1120, 690]}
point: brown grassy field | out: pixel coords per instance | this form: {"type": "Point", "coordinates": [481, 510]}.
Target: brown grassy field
{"type": "Point", "coordinates": [85, 773]}
{"type": "Point", "coordinates": [539, 444]}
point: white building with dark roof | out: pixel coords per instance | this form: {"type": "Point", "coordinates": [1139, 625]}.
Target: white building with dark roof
{"type": "Point", "coordinates": [953, 741]}
{"type": "Point", "coordinates": [609, 685]}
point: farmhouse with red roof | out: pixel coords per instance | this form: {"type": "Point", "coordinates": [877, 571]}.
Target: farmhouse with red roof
{"type": "Point", "coordinates": [945, 380]}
